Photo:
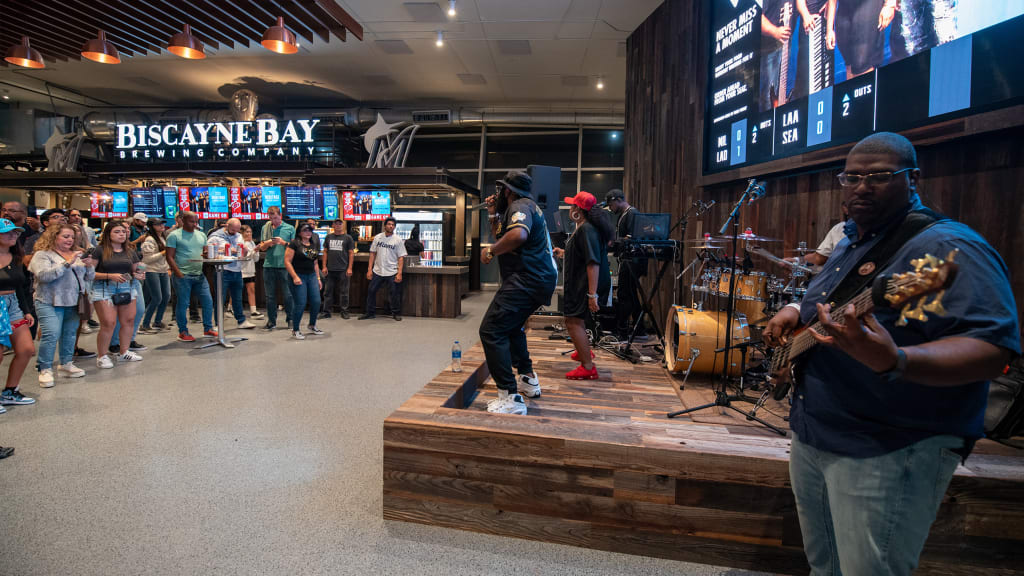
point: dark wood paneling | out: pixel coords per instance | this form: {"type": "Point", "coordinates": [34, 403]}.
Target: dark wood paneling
{"type": "Point", "coordinates": [974, 178]}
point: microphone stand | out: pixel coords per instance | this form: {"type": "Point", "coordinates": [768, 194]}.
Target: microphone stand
{"type": "Point", "coordinates": [722, 396]}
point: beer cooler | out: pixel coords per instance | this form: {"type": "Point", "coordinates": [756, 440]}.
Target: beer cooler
{"type": "Point", "coordinates": [431, 234]}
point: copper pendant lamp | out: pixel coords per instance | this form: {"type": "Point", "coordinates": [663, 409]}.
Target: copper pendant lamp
{"type": "Point", "coordinates": [100, 50]}
{"type": "Point", "coordinates": [279, 39]}
{"type": "Point", "coordinates": [24, 55]}
{"type": "Point", "coordinates": [186, 45]}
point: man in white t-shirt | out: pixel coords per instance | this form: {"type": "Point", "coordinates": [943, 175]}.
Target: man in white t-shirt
{"type": "Point", "coordinates": [387, 256]}
{"type": "Point", "coordinates": [824, 250]}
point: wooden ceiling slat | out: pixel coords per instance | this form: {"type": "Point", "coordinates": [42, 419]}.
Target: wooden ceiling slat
{"type": "Point", "coordinates": [116, 27]}
{"type": "Point", "coordinates": [225, 27]}
{"type": "Point", "coordinates": [331, 8]}
{"type": "Point", "coordinates": [332, 25]}
{"type": "Point", "coordinates": [166, 28]}
{"type": "Point", "coordinates": [86, 18]}
{"type": "Point", "coordinates": [201, 28]}
{"type": "Point", "coordinates": [299, 15]}
{"type": "Point", "coordinates": [70, 28]}
{"type": "Point", "coordinates": [231, 15]}
{"type": "Point", "coordinates": [271, 10]}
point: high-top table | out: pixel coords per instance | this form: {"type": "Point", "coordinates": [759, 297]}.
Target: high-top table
{"type": "Point", "coordinates": [219, 264]}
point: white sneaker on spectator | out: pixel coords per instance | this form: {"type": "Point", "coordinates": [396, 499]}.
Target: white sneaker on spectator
{"type": "Point", "coordinates": [298, 335]}
{"type": "Point", "coordinates": [104, 362]}
{"type": "Point", "coordinates": [46, 378]}
{"type": "Point", "coordinates": [129, 356]}
{"type": "Point", "coordinates": [86, 329]}
{"type": "Point", "coordinates": [246, 325]}
{"type": "Point", "coordinates": [70, 370]}
{"type": "Point", "coordinates": [529, 386]}
{"type": "Point", "coordinates": [507, 403]}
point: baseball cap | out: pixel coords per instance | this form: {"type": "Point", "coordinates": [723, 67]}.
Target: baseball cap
{"type": "Point", "coordinates": [8, 226]}
{"type": "Point", "coordinates": [582, 200]}
{"type": "Point", "coordinates": [140, 216]}
{"type": "Point", "coordinates": [614, 194]}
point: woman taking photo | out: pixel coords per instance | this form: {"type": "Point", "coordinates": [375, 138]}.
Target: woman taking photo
{"type": "Point", "coordinates": [112, 293]}
{"type": "Point", "coordinates": [586, 276]}
{"type": "Point", "coordinates": [61, 276]}
{"type": "Point", "coordinates": [14, 324]}
{"type": "Point", "coordinates": [158, 282]}
{"type": "Point", "coordinates": [301, 259]}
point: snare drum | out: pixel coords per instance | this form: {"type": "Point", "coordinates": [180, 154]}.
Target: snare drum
{"type": "Point", "coordinates": [749, 285]}
{"type": "Point", "coordinates": [696, 334]}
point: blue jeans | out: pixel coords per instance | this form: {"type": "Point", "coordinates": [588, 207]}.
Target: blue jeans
{"type": "Point", "coordinates": [183, 287]}
{"type": "Point", "coordinates": [56, 323]}
{"type": "Point", "coordinates": [159, 293]}
{"type": "Point", "coordinates": [232, 284]}
{"type": "Point", "coordinates": [870, 515]}
{"type": "Point", "coordinates": [394, 294]}
{"type": "Point", "coordinates": [308, 291]}
{"type": "Point", "coordinates": [271, 277]}
{"type": "Point", "coordinates": [140, 310]}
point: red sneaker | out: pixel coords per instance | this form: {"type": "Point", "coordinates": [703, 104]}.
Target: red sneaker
{"type": "Point", "coordinates": [210, 333]}
{"type": "Point", "coordinates": [581, 373]}
{"type": "Point", "coordinates": [186, 337]}
{"type": "Point", "coordinates": [576, 355]}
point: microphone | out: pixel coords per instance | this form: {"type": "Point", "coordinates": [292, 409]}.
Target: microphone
{"type": "Point", "coordinates": [757, 190]}
{"type": "Point", "coordinates": [703, 207]}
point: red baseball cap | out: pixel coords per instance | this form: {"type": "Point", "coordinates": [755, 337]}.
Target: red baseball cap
{"type": "Point", "coordinates": [582, 200]}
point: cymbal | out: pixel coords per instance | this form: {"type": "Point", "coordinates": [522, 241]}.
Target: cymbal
{"type": "Point", "coordinates": [708, 246]}
{"type": "Point", "coordinates": [800, 251]}
{"type": "Point", "coordinates": [773, 258]}
{"type": "Point", "coordinates": [747, 237]}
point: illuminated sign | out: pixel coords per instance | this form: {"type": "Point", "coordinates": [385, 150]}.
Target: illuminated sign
{"type": "Point", "coordinates": [261, 138]}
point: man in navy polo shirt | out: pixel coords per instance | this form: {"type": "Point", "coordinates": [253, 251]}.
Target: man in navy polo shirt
{"type": "Point", "coordinates": [883, 414]}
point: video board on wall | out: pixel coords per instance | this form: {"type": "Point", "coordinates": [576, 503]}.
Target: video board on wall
{"type": "Point", "coordinates": [789, 76]}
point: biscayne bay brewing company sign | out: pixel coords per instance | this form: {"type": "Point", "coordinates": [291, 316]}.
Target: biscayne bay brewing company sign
{"type": "Point", "coordinates": [259, 139]}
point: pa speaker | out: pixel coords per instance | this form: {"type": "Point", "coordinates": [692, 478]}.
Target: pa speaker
{"type": "Point", "coordinates": [547, 183]}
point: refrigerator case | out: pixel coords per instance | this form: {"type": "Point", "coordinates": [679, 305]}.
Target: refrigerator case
{"type": "Point", "coordinates": [432, 237]}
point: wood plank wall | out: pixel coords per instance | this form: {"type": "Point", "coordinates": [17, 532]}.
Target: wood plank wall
{"type": "Point", "coordinates": [975, 179]}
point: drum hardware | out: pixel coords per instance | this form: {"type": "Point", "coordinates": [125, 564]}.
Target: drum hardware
{"type": "Point", "coordinates": [753, 191]}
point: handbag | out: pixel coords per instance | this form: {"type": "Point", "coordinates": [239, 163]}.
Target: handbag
{"type": "Point", "coordinates": [122, 298]}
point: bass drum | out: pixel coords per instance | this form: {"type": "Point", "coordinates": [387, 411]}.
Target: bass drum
{"type": "Point", "coordinates": [696, 334]}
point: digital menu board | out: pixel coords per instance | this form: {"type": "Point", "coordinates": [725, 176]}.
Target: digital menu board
{"type": "Point", "coordinates": [108, 204]}
{"type": "Point", "coordinates": [158, 202]}
{"type": "Point", "coordinates": [206, 201]}
{"type": "Point", "coordinates": [330, 203]}
{"type": "Point", "coordinates": [301, 202]}
{"type": "Point", "coordinates": [253, 202]}
{"type": "Point", "coordinates": [366, 205]}
{"type": "Point", "coordinates": [786, 77]}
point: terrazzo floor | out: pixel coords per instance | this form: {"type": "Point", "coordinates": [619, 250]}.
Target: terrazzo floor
{"type": "Point", "coordinates": [264, 459]}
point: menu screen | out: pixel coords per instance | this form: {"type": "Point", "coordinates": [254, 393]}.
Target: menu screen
{"type": "Point", "coordinates": [108, 204]}
{"type": "Point", "coordinates": [366, 205]}
{"type": "Point", "coordinates": [789, 76]}
{"type": "Point", "coordinates": [149, 201]}
{"type": "Point", "coordinates": [252, 203]}
{"type": "Point", "coordinates": [301, 202]}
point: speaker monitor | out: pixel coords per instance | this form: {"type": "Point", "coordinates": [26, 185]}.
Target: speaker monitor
{"type": "Point", "coordinates": [547, 184]}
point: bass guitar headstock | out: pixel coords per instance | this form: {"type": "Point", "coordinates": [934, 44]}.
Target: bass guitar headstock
{"type": "Point", "coordinates": [930, 275]}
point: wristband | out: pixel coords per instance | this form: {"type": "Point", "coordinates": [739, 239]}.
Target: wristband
{"type": "Point", "coordinates": [897, 372]}
{"type": "Point", "coordinates": [593, 296]}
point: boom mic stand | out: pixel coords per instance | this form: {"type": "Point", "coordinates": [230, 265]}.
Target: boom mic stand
{"type": "Point", "coordinates": [722, 396]}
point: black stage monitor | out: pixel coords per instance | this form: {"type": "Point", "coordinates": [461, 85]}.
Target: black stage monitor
{"type": "Point", "coordinates": [547, 182]}
{"type": "Point", "coordinates": [647, 227]}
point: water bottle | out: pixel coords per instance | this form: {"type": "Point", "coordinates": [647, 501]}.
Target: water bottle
{"type": "Point", "coordinates": [456, 357]}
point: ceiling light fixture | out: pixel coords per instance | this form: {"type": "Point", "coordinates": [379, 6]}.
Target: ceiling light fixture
{"type": "Point", "coordinates": [279, 39]}
{"type": "Point", "coordinates": [600, 83]}
{"type": "Point", "coordinates": [440, 38]}
{"type": "Point", "coordinates": [99, 49]}
{"type": "Point", "coordinates": [24, 55]}
{"type": "Point", "coordinates": [451, 8]}
{"type": "Point", "coordinates": [186, 45]}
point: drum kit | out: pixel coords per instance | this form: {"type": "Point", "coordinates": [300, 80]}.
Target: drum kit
{"type": "Point", "coordinates": [695, 334]}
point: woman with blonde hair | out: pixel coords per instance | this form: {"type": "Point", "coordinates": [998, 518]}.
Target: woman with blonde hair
{"type": "Point", "coordinates": [62, 274]}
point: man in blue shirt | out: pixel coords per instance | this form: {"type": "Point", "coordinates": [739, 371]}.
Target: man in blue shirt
{"type": "Point", "coordinates": [883, 414]}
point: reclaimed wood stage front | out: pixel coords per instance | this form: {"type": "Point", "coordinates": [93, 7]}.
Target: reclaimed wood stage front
{"type": "Point", "coordinates": [597, 464]}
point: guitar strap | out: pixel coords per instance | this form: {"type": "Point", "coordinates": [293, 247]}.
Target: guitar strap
{"type": "Point", "coordinates": [881, 254]}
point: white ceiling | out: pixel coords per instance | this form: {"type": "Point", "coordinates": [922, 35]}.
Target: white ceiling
{"type": "Point", "coordinates": [567, 38]}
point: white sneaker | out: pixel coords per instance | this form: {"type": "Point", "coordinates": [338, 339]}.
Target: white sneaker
{"type": "Point", "coordinates": [2, 409]}
{"type": "Point", "coordinates": [46, 378]}
{"type": "Point", "coordinates": [85, 329]}
{"type": "Point", "coordinates": [507, 403]}
{"type": "Point", "coordinates": [529, 387]}
{"type": "Point", "coordinates": [104, 362]}
{"type": "Point", "coordinates": [129, 356]}
{"type": "Point", "coordinates": [70, 370]}
{"type": "Point", "coordinates": [298, 335]}
{"type": "Point", "coordinates": [246, 325]}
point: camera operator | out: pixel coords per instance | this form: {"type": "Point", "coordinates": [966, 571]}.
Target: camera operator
{"type": "Point", "coordinates": [631, 268]}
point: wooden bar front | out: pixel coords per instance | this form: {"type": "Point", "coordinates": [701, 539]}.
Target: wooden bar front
{"type": "Point", "coordinates": [428, 291]}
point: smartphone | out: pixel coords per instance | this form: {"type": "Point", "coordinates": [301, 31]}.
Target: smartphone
{"type": "Point", "coordinates": [32, 211]}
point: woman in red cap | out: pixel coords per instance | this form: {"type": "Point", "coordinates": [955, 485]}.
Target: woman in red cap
{"type": "Point", "coordinates": [586, 268]}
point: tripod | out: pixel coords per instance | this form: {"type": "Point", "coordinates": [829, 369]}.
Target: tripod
{"type": "Point", "coordinates": [722, 396]}
{"type": "Point", "coordinates": [645, 308]}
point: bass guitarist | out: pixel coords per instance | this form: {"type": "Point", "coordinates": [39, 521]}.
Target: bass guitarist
{"type": "Point", "coordinates": [881, 414]}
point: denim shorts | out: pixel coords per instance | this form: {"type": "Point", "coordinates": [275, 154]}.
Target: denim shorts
{"type": "Point", "coordinates": [14, 312]}
{"type": "Point", "coordinates": [104, 289]}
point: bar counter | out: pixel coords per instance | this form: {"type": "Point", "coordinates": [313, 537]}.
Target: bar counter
{"type": "Point", "coordinates": [430, 291]}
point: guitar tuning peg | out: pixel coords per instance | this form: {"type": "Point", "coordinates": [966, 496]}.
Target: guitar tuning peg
{"type": "Point", "coordinates": [903, 316]}
{"type": "Point", "coordinates": [917, 313]}
{"type": "Point", "coordinates": [952, 254]}
{"type": "Point", "coordinates": [933, 262]}
{"type": "Point", "coordinates": [917, 263]}
{"type": "Point", "coordinates": [935, 306]}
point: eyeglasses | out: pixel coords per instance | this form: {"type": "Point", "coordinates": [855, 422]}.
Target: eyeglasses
{"type": "Point", "coordinates": [874, 179]}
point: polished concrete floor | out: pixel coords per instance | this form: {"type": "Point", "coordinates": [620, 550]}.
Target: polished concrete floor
{"type": "Point", "coordinates": [264, 459]}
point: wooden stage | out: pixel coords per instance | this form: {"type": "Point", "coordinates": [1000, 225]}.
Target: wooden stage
{"type": "Point", "coordinates": [597, 464]}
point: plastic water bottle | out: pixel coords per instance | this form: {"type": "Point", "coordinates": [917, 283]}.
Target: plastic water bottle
{"type": "Point", "coordinates": [456, 357]}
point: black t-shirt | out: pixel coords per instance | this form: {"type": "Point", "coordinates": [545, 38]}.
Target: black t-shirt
{"type": "Point", "coordinates": [119, 262]}
{"type": "Point", "coordinates": [305, 257]}
{"type": "Point", "coordinates": [530, 266]}
{"type": "Point", "coordinates": [585, 247]}
{"type": "Point", "coordinates": [337, 247]}
{"type": "Point", "coordinates": [624, 228]}
{"type": "Point", "coordinates": [12, 277]}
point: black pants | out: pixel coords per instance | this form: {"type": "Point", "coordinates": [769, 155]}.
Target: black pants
{"type": "Point", "coordinates": [629, 306]}
{"type": "Point", "coordinates": [502, 335]}
{"type": "Point", "coordinates": [394, 294]}
{"type": "Point", "coordinates": [336, 288]}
